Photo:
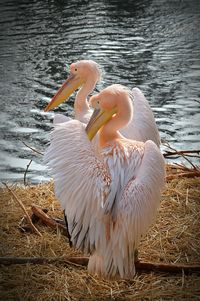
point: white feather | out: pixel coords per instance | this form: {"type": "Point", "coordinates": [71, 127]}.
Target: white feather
{"type": "Point", "coordinates": [80, 178]}
{"type": "Point", "coordinates": [142, 127]}
{"type": "Point", "coordinates": [59, 118]}
{"type": "Point", "coordinates": [125, 179]}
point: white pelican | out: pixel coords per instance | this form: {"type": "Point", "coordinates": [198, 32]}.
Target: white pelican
{"type": "Point", "coordinates": [85, 74]}
{"type": "Point", "coordinates": [110, 197]}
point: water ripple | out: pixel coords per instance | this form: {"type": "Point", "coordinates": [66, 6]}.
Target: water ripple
{"type": "Point", "coordinates": [136, 43]}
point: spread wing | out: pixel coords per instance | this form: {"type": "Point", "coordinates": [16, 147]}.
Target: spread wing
{"type": "Point", "coordinates": [81, 182]}
{"type": "Point", "coordinates": [140, 201]}
{"type": "Point", "coordinates": [143, 126]}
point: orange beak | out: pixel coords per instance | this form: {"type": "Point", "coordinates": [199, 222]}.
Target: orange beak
{"type": "Point", "coordinates": [72, 83]}
{"type": "Point", "coordinates": [99, 118]}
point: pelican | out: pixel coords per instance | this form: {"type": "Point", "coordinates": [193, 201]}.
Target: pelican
{"type": "Point", "coordinates": [85, 74]}
{"type": "Point", "coordinates": [111, 196]}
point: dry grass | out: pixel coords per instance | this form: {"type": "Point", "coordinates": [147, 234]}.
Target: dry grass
{"type": "Point", "coordinates": [174, 238]}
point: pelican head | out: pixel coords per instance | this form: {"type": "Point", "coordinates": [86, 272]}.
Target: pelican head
{"type": "Point", "coordinates": [111, 103]}
{"type": "Point", "coordinates": [81, 72]}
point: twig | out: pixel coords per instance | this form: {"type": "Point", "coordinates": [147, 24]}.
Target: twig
{"type": "Point", "coordinates": [32, 148]}
{"type": "Point", "coordinates": [24, 209]}
{"type": "Point", "coordinates": [27, 167]}
{"type": "Point", "coordinates": [83, 261]}
{"type": "Point", "coordinates": [183, 152]}
{"type": "Point", "coordinates": [188, 161]}
{"type": "Point", "coordinates": [46, 219]}
{"type": "Point", "coordinates": [166, 267]}
{"type": "Point", "coordinates": [180, 153]}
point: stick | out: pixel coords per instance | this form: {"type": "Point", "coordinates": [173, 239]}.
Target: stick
{"type": "Point", "coordinates": [183, 152]}
{"type": "Point", "coordinates": [33, 149]}
{"type": "Point", "coordinates": [166, 267]}
{"type": "Point", "coordinates": [83, 261]}
{"type": "Point", "coordinates": [24, 209]}
{"type": "Point", "coordinates": [27, 167]}
{"type": "Point", "coordinates": [46, 219]}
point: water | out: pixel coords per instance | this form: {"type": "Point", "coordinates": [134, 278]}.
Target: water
{"type": "Point", "coordinates": [153, 45]}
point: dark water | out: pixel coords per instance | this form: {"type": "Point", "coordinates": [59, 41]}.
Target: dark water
{"type": "Point", "coordinates": [151, 44]}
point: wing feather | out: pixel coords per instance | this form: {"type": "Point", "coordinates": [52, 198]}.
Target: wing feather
{"type": "Point", "coordinates": [60, 118]}
{"type": "Point", "coordinates": [81, 182]}
{"type": "Point", "coordinates": [136, 207]}
{"type": "Point", "coordinates": [141, 197]}
{"type": "Point", "coordinates": [143, 126]}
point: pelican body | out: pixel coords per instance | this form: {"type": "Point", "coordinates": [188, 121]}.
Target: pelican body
{"type": "Point", "coordinates": [110, 195]}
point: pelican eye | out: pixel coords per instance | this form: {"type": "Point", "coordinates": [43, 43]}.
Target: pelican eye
{"type": "Point", "coordinates": [75, 69]}
{"type": "Point", "coordinates": [98, 104]}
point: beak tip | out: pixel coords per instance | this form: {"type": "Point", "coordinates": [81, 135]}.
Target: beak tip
{"type": "Point", "coordinates": [46, 109]}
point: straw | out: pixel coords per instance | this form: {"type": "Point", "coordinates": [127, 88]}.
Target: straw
{"type": "Point", "coordinates": [173, 238]}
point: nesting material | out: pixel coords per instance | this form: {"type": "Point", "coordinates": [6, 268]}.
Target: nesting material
{"type": "Point", "coordinates": [174, 238]}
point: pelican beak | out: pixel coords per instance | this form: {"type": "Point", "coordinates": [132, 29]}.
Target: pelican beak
{"type": "Point", "coordinates": [72, 83]}
{"type": "Point", "coordinates": [99, 118]}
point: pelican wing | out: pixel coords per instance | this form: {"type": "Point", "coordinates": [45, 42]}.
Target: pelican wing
{"type": "Point", "coordinates": [141, 197]}
{"type": "Point", "coordinates": [81, 182]}
{"type": "Point", "coordinates": [134, 206]}
{"type": "Point", "coordinates": [143, 126]}
{"type": "Point", "coordinates": [60, 118]}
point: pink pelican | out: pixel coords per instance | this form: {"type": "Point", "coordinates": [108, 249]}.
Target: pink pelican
{"type": "Point", "coordinates": [84, 75]}
{"type": "Point", "coordinates": [110, 195]}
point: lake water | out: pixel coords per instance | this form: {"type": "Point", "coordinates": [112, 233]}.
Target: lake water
{"type": "Point", "coordinates": [151, 44]}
